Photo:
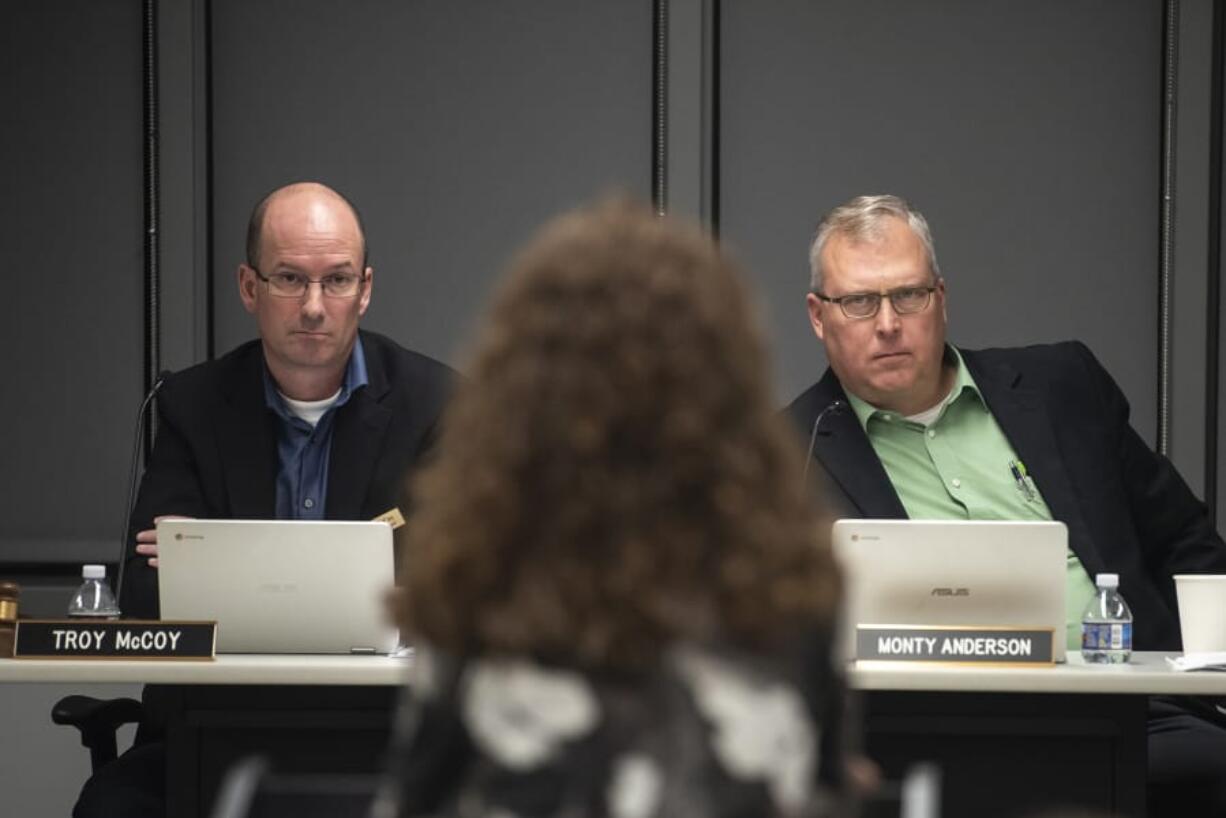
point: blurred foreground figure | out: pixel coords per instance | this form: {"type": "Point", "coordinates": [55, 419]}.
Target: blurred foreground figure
{"type": "Point", "coordinates": [621, 598]}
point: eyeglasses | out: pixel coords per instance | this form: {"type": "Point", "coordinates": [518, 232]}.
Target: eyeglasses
{"type": "Point", "coordinates": [904, 300]}
{"type": "Point", "coordinates": [296, 285]}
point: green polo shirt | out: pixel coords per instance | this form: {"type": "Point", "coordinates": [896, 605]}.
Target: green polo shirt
{"type": "Point", "coordinates": [956, 466]}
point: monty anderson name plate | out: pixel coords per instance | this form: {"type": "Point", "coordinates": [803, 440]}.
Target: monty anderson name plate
{"type": "Point", "coordinates": [954, 644]}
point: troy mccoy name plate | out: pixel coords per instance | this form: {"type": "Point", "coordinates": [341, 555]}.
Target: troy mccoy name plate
{"type": "Point", "coordinates": [970, 645]}
{"type": "Point", "coordinates": [114, 639]}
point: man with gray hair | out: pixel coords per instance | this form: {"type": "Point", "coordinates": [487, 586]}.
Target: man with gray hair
{"type": "Point", "coordinates": [904, 424]}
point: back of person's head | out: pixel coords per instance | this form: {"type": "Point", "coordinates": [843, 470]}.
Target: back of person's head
{"type": "Point", "coordinates": [613, 476]}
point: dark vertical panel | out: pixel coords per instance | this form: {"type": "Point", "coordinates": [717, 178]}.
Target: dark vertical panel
{"type": "Point", "coordinates": [717, 17]}
{"type": "Point", "coordinates": [659, 104]}
{"type": "Point", "coordinates": [151, 166]}
{"type": "Point", "coordinates": [71, 338]}
{"type": "Point", "coordinates": [1213, 307]}
{"type": "Point", "coordinates": [1027, 132]}
{"type": "Point", "coordinates": [1168, 145]}
{"type": "Point", "coordinates": [1189, 281]}
{"type": "Point", "coordinates": [455, 127]}
{"type": "Point", "coordinates": [208, 183]}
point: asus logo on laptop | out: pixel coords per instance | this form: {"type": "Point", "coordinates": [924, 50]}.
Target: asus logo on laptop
{"type": "Point", "coordinates": [950, 592]}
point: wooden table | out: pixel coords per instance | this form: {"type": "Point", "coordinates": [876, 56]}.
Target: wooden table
{"type": "Point", "coordinates": [306, 714]}
{"type": "Point", "coordinates": [1007, 739]}
{"type": "Point", "coordinates": [1010, 741]}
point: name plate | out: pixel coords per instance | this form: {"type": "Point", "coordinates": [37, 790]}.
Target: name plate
{"type": "Point", "coordinates": [976, 645]}
{"type": "Point", "coordinates": [114, 639]}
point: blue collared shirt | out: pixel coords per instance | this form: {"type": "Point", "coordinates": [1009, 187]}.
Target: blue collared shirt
{"type": "Point", "coordinates": [303, 451]}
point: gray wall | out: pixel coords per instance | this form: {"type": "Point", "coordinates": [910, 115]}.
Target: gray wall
{"type": "Point", "coordinates": [71, 340]}
{"type": "Point", "coordinates": [42, 767]}
{"type": "Point", "coordinates": [1028, 132]}
{"type": "Point", "coordinates": [456, 127]}
{"type": "Point", "coordinates": [1003, 121]}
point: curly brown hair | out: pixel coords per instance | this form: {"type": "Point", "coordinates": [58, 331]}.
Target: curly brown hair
{"type": "Point", "coordinates": [613, 476]}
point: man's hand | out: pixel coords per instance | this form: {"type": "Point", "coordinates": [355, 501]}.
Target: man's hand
{"type": "Point", "coordinates": [863, 775]}
{"type": "Point", "coordinates": [147, 540]}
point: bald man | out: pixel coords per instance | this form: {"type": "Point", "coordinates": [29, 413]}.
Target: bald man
{"type": "Point", "coordinates": [314, 420]}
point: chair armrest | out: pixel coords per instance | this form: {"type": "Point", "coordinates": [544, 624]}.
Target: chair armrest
{"type": "Point", "coordinates": [97, 720]}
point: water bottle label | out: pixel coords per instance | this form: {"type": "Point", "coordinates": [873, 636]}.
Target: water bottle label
{"type": "Point", "coordinates": [1106, 636]}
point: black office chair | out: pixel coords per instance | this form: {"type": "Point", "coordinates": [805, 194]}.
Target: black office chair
{"type": "Point", "coordinates": [252, 790]}
{"type": "Point", "coordinates": [97, 720]}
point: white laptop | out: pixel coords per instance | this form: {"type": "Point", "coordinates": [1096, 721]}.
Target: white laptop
{"type": "Point", "coordinates": [953, 572]}
{"type": "Point", "coordinates": [280, 586]}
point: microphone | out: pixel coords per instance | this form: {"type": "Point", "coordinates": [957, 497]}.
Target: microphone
{"type": "Point", "coordinates": [136, 448]}
{"type": "Point", "coordinates": [833, 408]}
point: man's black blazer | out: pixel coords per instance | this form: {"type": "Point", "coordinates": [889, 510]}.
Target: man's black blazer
{"type": "Point", "coordinates": [215, 455]}
{"type": "Point", "coordinates": [1126, 508]}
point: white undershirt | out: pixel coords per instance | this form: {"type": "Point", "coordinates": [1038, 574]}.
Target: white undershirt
{"type": "Point", "coordinates": [310, 410]}
{"type": "Point", "coordinates": [928, 416]}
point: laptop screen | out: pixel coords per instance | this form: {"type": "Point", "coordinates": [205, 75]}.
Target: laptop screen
{"type": "Point", "coordinates": [280, 586]}
{"type": "Point", "coordinates": [953, 572]}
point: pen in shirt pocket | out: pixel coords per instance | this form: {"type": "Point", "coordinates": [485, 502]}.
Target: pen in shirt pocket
{"type": "Point", "coordinates": [1024, 484]}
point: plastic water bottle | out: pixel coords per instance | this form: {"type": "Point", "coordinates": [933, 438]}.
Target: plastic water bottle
{"type": "Point", "coordinates": [94, 597]}
{"type": "Point", "coordinates": [1106, 625]}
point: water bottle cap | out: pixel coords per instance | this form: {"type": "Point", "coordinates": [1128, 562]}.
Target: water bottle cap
{"type": "Point", "coordinates": [93, 571]}
{"type": "Point", "coordinates": [1107, 580]}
